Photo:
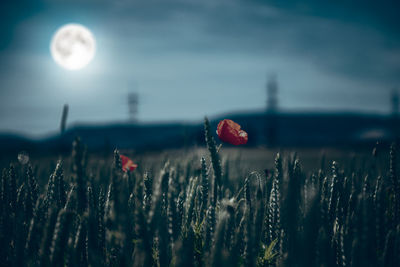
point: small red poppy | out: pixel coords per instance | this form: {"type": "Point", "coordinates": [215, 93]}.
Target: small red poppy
{"type": "Point", "coordinates": [229, 131]}
{"type": "Point", "coordinates": [127, 164]}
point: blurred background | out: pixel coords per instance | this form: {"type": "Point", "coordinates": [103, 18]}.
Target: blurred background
{"type": "Point", "coordinates": [292, 73]}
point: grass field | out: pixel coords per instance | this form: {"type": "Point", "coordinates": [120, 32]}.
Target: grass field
{"type": "Point", "coordinates": [202, 207]}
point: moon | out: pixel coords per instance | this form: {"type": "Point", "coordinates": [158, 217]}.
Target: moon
{"type": "Point", "coordinates": [73, 46]}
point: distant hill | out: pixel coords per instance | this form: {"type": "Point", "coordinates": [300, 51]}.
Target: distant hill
{"type": "Point", "coordinates": [288, 129]}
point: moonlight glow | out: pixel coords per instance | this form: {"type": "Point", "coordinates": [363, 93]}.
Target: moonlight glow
{"type": "Point", "coordinates": [73, 46]}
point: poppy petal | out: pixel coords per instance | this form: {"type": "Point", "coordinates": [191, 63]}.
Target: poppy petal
{"type": "Point", "coordinates": [127, 164]}
{"type": "Point", "coordinates": [229, 131]}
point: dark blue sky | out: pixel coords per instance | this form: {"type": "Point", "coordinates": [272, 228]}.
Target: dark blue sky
{"type": "Point", "coordinates": [190, 58]}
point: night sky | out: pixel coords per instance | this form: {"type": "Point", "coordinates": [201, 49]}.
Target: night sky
{"type": "Point", "coordinates": [187, 59]}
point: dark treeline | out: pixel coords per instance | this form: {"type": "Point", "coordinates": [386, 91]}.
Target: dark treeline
{"type": "Point", "coordinates": [195, 215]}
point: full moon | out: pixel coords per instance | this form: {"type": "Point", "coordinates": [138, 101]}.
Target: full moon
{"type": "Point", "coordinates": [73, 46]}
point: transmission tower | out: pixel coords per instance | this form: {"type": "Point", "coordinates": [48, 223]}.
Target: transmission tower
{"type": "Point", "coordinates": [394, 122]}
{"type": "Point", "coordinates": [395, 103]}
{"type": "Point", "coordinates": [272, 94]}
{"type": "Point", "coordinates": [133, 103]}
{"type": "Point", "coordinates": [271, 116]}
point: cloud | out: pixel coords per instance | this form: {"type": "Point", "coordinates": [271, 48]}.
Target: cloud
{"type": "Point", "coordinates": [181, 54]}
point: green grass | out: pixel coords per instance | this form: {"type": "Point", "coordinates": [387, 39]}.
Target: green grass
{"type": "Point", "coordinates": [203, 207]}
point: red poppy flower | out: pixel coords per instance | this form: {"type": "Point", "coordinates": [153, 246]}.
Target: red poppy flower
{"type": "Point", "coordinates": [127, 164]}
{"type": "Point", "coordinates": [229, 131]}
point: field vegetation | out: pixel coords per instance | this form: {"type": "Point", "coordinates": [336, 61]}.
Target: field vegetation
{"type": "Point", "coordinates": [209, 206]}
